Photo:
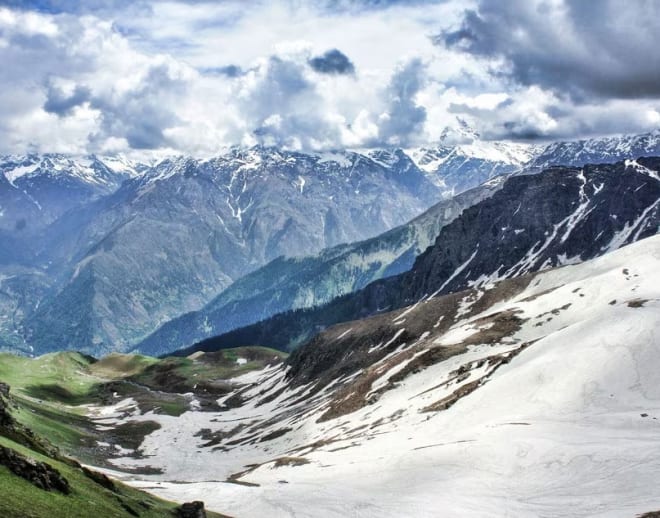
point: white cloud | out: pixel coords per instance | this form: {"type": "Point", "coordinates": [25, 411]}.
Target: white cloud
{"type": "Point", "coordinates": [154, 76]}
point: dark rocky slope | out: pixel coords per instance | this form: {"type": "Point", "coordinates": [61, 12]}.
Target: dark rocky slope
{"type": "Point", "coordinates": [564, 215]}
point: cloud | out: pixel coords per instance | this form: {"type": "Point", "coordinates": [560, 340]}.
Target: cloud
{"type": "Point", "coordinates": [281, 106]}
{"type": "Point", "coordinates": [231, 71]}
{"type": "Point", "coordinates": [404, 119]}
{"type": "Point", "coordinates": [353, 5]}
{"type": "Point", "coordinates": [142, 114]}
{"type": "Point", "coordinates": [332, 62]}
{"type": "Point", "coordinates": [585, 49]}
{"type": "Point", "coordinates": [75, 6]}
{"type": "Point", "coordinates": [532, 113]}
{"type": "Point", "coordinates": [194, 76]}
{"type": "Point", "coordinates": [61, 104]}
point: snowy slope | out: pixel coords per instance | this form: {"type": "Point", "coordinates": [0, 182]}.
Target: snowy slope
{"type": "Point", "coordinates": [532, 397]}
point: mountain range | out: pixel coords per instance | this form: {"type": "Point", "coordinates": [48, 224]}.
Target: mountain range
{"type": "Point", "coordinates": [564, 215]}
{"type": "Point", "coordinates": [509, 329]}
{"type": "Point", "coordinates": [97, 251]}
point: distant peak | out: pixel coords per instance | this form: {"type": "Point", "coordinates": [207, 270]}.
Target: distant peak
{"type": "Point", "coordinates": [459, 133]}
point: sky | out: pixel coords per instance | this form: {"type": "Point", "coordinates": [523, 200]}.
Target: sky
{"type": "Point", "coordinates": [196, 76]}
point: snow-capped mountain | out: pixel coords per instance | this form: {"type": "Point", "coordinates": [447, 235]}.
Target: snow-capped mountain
{"type": "Point", "coordinates": [462, 160]}
{"type": "Point", "coordinates": [91, 169]}
{"type": "Point", "coordinates": [527, 397]}
{"type": "Point", "coordinates": [597, 150]}
{"type": "Point", "coordinates": [112, 239]}
{"type": "Point", "coordinates": [561, 216]}
{"type": "Point", "coordinates": [458, 168]}
{"type": "Point", "coordinates": [289, 284]}
{"type": "Point", "coordinates": [171, 239]}
{"type": "Point", "coordinates": [35, 190]}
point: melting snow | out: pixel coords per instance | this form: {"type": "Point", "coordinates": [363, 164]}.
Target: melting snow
{"type": "Point", "coordinates": [571, 422]}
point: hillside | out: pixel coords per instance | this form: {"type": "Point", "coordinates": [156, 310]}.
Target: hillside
{"type": "Point", "coordinates": [289, 283]}
{"type": "Point", "coordinates": [530, 395]}
{"type": "Point", "coordinates": [38, 480]}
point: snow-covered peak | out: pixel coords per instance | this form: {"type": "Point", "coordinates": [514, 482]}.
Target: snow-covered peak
{"type": "Point", "coordinates": [459, 133]}
{"type": "Point", "coordinates": [120, 164]}
{"type": "Point", "coordinates": [168, 167]}
{"type": "Point", "coordinates": [261, 160]}
{"type": "Point", "coordinates": [605, 149]}
{"type": "Point", "coordinates": [339, 158]}
{"type": "Point", "coordinates": [89, 169]}
{"type": "Point", "coordinates": [385, 157]}
{"type": "Point", "coordinates": [429, 159]}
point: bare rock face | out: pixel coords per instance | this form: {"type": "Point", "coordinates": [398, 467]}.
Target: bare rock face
{"type": "Point", "coordinates": [564, 215]}
{"type": "Point", "coordinates": [5, 417]}
{"type": "Point", "coordinates": [192, 510]}
{"type": "Point", "coordinates": [42, 475]}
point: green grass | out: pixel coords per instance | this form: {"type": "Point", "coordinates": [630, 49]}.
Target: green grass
{"type": "Point", "coordinates": [208, 366]}
{"type": "Point", "coordinates": [115, 365]}
{"type": "Point", "coordinates": [68, 430]}
{"type": "Point", "coordinates": [47, 389]}
{"type": "Point", "coordinates": [72, 378]}
{"type": "Point", "coordinates": [51, 388]}
{"type": "Point", "coordinates": [21, 499]}
{"type": "Point", "coordinates": [62, 377]}
{"type": "Point", "coordinates": [47, 394]}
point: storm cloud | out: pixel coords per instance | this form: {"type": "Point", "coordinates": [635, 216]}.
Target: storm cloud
{"type": "Point", "coordinates": [586, 49]}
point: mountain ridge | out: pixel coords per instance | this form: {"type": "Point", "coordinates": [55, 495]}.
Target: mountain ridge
{"type": "Point", "coordinates": [533, 222]}
{"type": "Point", "coordinates": [60, 224]}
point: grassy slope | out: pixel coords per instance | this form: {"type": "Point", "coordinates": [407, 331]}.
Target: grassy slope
{"type": "Point", "coordinates": [51, 386]}
{"type": "Point", "coordinates": [221, 365]}
{"type": "Point", "coordinates": [47, 390]}
{"type": "Point", "coordinates": [60, 377]}
{"type": "Point", "coordinates": [21, 499]}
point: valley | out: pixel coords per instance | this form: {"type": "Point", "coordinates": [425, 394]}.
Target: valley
{"type": "Point", "coordinates": [452, 392]}
{"type": "Point", "coordinates": [98, 260]}
{"type": "Point", "coordinates": [462, 346]}
{"type": "Point", "coordinates": [329, 259]}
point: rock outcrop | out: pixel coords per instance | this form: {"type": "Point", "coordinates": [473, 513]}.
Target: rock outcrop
{"type": "Point", "coordinates": [41, 474]}
{"type": "Point", "coordinates": [191, 510]}
{"type": "Point", "coordinates": [6, 419]}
